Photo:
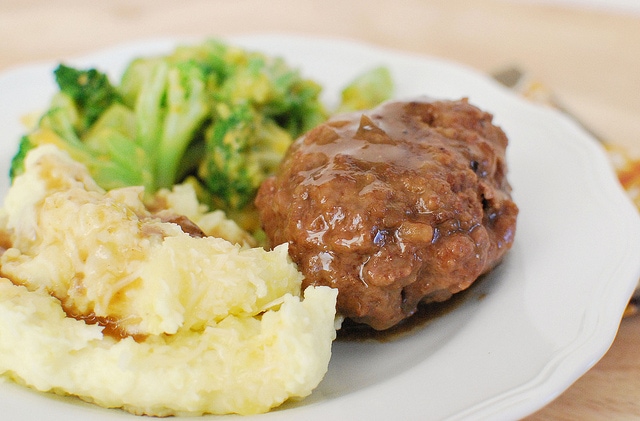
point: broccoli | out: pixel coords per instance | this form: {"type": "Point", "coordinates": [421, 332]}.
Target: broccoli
{"type": "Point", "coordinates": [17, 163]}
{"type": "Point", "coordinates": [171, 104]}
{"type": "Point", "coordinates": [123, 145]}
{"type": "Point", "coordinates": [367, 90]}
{"type": "Point", "coordinates": [261, 106]}
{"type": "Point", "coordinates": [211, 114]}
{"type": "Point", "coordinates": [86, 106]}
{"type": "Point", "coordinates": [242, 149]}
{"type": "Point", "coordinates": [89, 89]}
{"type": "Point", "coordinates": [245, 109]}
{"type": "Point", "coordinates": [113, 159]}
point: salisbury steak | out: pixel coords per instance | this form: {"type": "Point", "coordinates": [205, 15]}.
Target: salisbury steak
{"type": "Point", "coordinates": [405, 203]}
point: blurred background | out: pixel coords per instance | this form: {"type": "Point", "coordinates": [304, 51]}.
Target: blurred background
{"type": "Point", "coordinates": [584, 50]}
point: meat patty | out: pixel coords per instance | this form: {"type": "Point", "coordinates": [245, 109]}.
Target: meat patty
{"type": "Point", "coordinates": [405, 203]}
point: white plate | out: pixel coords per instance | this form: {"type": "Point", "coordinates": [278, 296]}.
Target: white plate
{"type": "Point", "coordinates": [520, 338]}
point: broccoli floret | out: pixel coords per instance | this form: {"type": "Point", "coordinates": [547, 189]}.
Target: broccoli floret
{"type": "Point", "coordinates": [91, 91]}
{"type": "Point", "coordinates": [85, 118]}
{"type": "Point", "coordinates": [261, 107]}
{"type": "Point", "coordinates": [275, 90]}
{"type": "Point", "coordinates": [367, 90]}
{"type": "Point", "coordinates": [171, 104]}
{"type": "Point", "coordinates": [242, 149]}
{"type": "Point", "coordinates": [123, 145]}
{"type": "Point", "coordinates": [17, 162]}
{"type": "Point", "coordinates": [113, 158]}
{"type": "Point", "coordinates": [186, 109]}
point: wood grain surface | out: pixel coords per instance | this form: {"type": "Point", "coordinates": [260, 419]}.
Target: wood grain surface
{"type": "Point", "coordinates": [589, 59]}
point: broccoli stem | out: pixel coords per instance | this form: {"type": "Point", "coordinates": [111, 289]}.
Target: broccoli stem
{"type": "Point", "coordinates": [186, 110]}
{"type": "Point", "coordinates": [149, 111]}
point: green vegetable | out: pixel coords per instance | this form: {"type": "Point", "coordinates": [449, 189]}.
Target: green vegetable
{"type": "Point", "coordinates": [210, 114]}
{"type": "Point", "coordinates": [367, 90]}
{"type": "Point", "coordinates": [17, 162]}
{"type": "Point", "coordinates": [89, 89]}
{"type": "Point", "coordinates": [86, 119]}
{"type": "Point", "coordinates": [242, 148]}
{"type": "Point", "coordinates": [261, 107]}
{"type": "Point", "coordinates": [171, 103]}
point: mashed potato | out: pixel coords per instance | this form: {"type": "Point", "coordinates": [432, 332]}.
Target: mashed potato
{"type": "Point", "coordinates": [193, 324]}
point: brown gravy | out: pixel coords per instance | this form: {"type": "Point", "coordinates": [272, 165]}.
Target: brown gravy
{"type": "Point", "coordinates": [5, 241]}
{"type": "Point", "coordinates": [110, 324]}
{"type": "Point", "coordinates": [425, 314]}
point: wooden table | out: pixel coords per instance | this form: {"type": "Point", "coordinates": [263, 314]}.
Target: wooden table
{"type": "Point", "coordinates": [590, 59]}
